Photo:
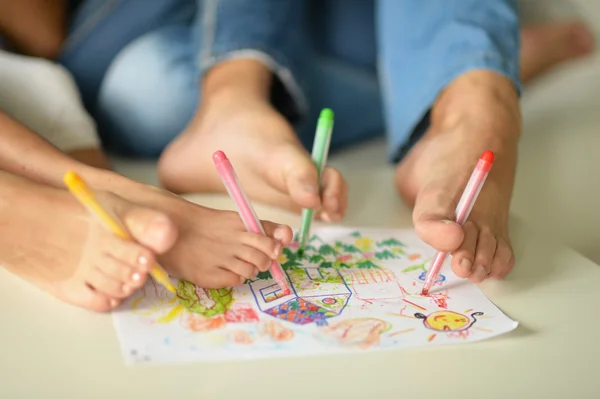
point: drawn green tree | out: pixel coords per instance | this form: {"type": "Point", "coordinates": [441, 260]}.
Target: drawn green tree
{"type": "Point", "coordinates": [316, 259]}
{"type": "Point", "coordinates": [326, 265]}
{"type": "Point", "coordinates": [390, 242]}
{"type": "Point", "coordinates": [387, 254]}
{"type": "Point", "coordinates": [366, 264]}
{"type": "Point", "coordinates": [327, 249]}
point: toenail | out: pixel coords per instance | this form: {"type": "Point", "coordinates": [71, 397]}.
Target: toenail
{"type": "Point", "coordinates": [142, 260]}
{"type": "Point", "coordinates": [113, 303]}
{"type": "Point", "coordinates": [334, 204]}
{"type": "Point", "coordinates": [311, 189]}
{"type": "Point", "coordinates": [466, 264]}
{"type": "Point", "coordinates": [126, 289]}
{"type": "Point", "coordinates": [448, 221]}
{"type": "Point", "coordinates": [277, 250]}
{"type": "Point", "coordinates": [481, 272]}
{"type": "Point", "coordinates": [136, 277]}
{"type": "Point", "coordinates": [278, 234]}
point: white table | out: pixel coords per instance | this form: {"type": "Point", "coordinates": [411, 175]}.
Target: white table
{"type": "Point", "coordinates": [52, 350]}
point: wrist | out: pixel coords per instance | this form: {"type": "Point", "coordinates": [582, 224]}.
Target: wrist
{"type": "Point", "coordinates": [485, 99]}
{"type": "Point", "coordinates": [239, 78]}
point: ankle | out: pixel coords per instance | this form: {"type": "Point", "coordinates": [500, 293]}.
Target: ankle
{"type": "Point", "coordinates": [238, 78]}
{"type": "Point", "coordinates": [482, 100]}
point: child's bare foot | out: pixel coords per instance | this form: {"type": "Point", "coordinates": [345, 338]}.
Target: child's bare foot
{"type": "Point", "coordinates": [53, 242]}
{"type": "Point", "coordinates": [548, 45]}
{"type": "Point", "coordinates": [214, 249]}
{"type": "Point", "coordinates": [434, 174]}
{"type": "Point", "coordinates": [94, 157]}
{"type": "Point", "coordinates": [269, 159]}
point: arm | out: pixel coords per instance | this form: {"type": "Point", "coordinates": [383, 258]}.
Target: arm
{"type": "Point", "coordinates": [257, 44]}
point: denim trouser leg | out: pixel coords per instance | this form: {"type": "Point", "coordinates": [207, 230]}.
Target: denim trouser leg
{"type": "Point", "coordinates": [142, 109]}
{"type": "Point", "coordinates": [100, 29]}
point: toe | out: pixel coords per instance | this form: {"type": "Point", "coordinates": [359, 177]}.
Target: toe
{"type": "Point", "coordinates": [106, 285]}
{"type": "Point", "coordinates": [301, 179]}
{"type": "Point", "coordinates": [152, 229]}
{"type": "Point", "coordinates": [252, 243]}
{"type": "Point", "coordinates": [217, 278]}
{"type": "Point", "coordinates": [504, 260]}
{"type": "Point", "coordinates": [484, 254]}
{"type": "Point", "coordinates": [244, 268]}
{"type": "Point", "coordinates": [255, 258]}
{"type": "Point", "coordinates": [279, 232]}
{"type": "Point", "coordinates": [131, 253]}
{"type": "Point", "coordinates": [464, 256]}
{"type": "Point", "coordinates": [432, 216]}
{"type": "Point", "coordinates": [120, 271]}
{"type": "Point", "coordinates": [87, 297]}
{"type": "Point", "coordinates": [333, 195]}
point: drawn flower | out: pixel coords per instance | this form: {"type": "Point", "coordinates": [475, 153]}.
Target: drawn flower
{"type": "Point", "coordinates": [294, 245]}
{"type": "Point", "coordinates": [282, 258]}
{"type": "Point", "coordinates": [414, 257]}
{"type": "Point", "coordinates": [344, 258]}
{"type": "Point", "coordinates": [368, 255]}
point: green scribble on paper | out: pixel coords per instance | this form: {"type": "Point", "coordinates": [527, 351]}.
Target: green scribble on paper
{"type": "Point", "coordinates": [415, 267]}
{"type": "Point", "coordinates": [355, 234]}
{"type": "Point", "coordinates": [327, 249]}
{"type": "Point", "coordinates": [316, 259]}
{"type": "Point", "coordinates": [326, 265]}
{"type": "Point", "coordinates": [219, 300]}
{"type": "Point", "coordinates": [390, 242]}
{"type": "Point", "coordinates": [387, 254]}
{"type": "Point", "coordinates": [366, 264]}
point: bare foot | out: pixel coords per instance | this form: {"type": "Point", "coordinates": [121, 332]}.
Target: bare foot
{"type": "Point", "coordinates": [53, 242]}
{"type": "Point", "coordinates": [546, 46]}
{"type": "Point", "coordinates": [93, 157]}
{"type": "Point", "coordinates": [434, 174]}
{"type": "Point", "coordinates": [269, 159]}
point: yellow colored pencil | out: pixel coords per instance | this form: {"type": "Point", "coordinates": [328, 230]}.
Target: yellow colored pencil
{"type": "Point", "coordinates": [86, 197]}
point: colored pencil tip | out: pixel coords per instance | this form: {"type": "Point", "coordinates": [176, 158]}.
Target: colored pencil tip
{"type": "Point", "coordinates": [326, 113]}
{"type": "Point", "coordinates": [286, 291]}
{"type": "Point", "coordinates": [425, 292]}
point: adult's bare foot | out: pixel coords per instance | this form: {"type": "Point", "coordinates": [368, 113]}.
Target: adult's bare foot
{"type": "Point", "coordinates": [53, 242]}
{"type": "Point", "coordinates": [273, 167]}
{"type": "Point", "coordinates": [547, 45]}
{"type": "Point", "coordinates": [477, 112]}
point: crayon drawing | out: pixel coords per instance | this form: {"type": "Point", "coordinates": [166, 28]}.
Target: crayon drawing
{"type": "Point", "coordinates": [352, 290]}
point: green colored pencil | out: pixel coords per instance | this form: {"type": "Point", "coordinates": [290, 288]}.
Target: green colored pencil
{"type": "Point", "coordinates": [319, 154]}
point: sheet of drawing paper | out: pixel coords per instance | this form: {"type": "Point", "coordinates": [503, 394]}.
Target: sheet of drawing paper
{"type": "Point", "coordinates": [353, 290]}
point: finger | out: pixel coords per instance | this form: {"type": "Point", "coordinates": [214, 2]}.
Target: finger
{"type": "Point", "coordinates": [464, 256]}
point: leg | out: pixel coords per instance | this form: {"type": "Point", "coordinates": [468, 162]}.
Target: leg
{"type": "Point", "coordinates": [452, 64]}
{"type": "Point", "coordinates": [79, 262]}
{"type": "Point", "coordinates": [545, 46]}
{"type": "Point", "coordinates": [100, 29]}
{"type": "Point", "coordinates": [150, 92]}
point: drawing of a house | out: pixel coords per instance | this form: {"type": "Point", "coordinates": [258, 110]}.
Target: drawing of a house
{"type": "Point", "coordinates": [317, 295]}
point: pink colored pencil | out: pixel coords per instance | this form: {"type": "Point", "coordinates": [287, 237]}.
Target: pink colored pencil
{"type": "Point", "coordinates": [463, 209]}
{"type": "Point", "coordinates": [246, 211]}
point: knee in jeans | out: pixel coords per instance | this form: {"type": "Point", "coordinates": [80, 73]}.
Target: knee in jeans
{"type": "Point", "coordinates": [146, 100]}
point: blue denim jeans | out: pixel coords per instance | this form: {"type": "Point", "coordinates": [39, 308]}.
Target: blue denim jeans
{"type": "Point", "coordinates": [379, 64]}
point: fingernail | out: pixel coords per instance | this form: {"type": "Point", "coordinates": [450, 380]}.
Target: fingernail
{"type": "Point", "coordinates": [136, 277]}
{"type": "Point", "coordinates": [277, 250]}
{"type": "Point", "coordinates": [466, 264]}
{"type": "Point", "coordinates": [114, 303]}
{"type": "Point", "coordinates": [142, 260]}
